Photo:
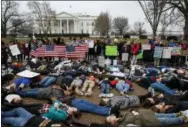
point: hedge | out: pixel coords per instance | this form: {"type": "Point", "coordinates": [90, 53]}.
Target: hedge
{"type": "Point", "coordinates": [60, 35]}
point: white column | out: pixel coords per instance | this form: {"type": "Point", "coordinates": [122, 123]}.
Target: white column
{"type": "Point", "coordinates": [52, 26]}
{"type": "Point", "coordinates": [60, 23]}
{"type": "Point", "coordinates": [67, 26]}
{"type": "Point", "coordinates": [74, 26]}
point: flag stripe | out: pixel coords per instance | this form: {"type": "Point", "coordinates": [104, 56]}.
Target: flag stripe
{"type": "Point", "coordinates": [60, 51]}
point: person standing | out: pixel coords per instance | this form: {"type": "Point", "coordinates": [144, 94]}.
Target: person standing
{"type": "Point", "coordinates": [134, 50]}
{"type": "Point", "coordinates": [157, 60]}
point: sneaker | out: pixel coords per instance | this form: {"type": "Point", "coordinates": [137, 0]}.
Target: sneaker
{"type": "Point", "coordinates": [152, 91]}
{"type": "Point", "coordinates": [185, 113]}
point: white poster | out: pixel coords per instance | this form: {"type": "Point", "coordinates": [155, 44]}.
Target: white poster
{"type": "Point", "coordinates": [28, 74]}
{"type": "Point", "coordinates": [125, 56]}
{"type": "Point", "coordinates": [101, 61]}
{"type": "Point", "coordinates": [167, 52]}
{"type": "Point", "coordinates": [26, 45]}
{"type": "Point", "coordinates": [146, 46]}
{"type": "Point", "coordinates": [91, 43]}
{"type": "Point", "coordinates": [14, 49]}
{"type": "Point", "coordinates": [114, 62]}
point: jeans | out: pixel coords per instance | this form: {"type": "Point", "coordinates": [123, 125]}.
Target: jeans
{"type": "Point", "coordinates": [156, 61]}
{"type": "Point", "coordinates": [168, 119]}
{"type": "Point", "coordinates": [134, 60]}
{"type": "Point", "coordinates": [88, 84]}
{"type": "Point", "coordinates": [152, 71]}
{"type": "Point", "coordinates": [17, 117]}
{"type": "Point", "coordinates": [162, 88]}
{"type": "Point", "coordinates": [47, 81]}
{"type": "Point", "coordinates": [122, 87]}
{"type": "Point", "coordinates": [29, 93]}
{"type": "Point", "coordinates": [105, 88]}
{"type": "Point", "coordinates": [86, 106]}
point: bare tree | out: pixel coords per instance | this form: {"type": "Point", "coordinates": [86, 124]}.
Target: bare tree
{"type": "Point", "coordinates": [8, 12]}
{"type": "Point", "coordinates": [43, 15]}
{"type": "Point", "coordinates": [153, 10]}
{"type": "Point", "coordinates": [169, 18]}
{"type": "Point", "coordinates": [181, 6]}
{"type": "Point", "coordinates": [139, 28]}
{"type": "Point", "coordinates": [22, 25]}
{"type": "Point", "coordinates": [103, 23]}
{"type": "Point", "coordinates": [121, 24]}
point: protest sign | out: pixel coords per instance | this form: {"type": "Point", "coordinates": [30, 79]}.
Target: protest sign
{"type": "Point", "coordinates": [111, 50]}
{"type": "Point", "coordinates": [158, 52]}
{"type": "Point", "coordinates": [146, 46]}
{"type": "Point", "coordinates": [185, 52]}
{"type": "Point", "coordinates": [167, 52]}
{"type": "Point", "coordinates": [101, 61]}
{"type": "Point", "coordinates": [140, 55]}
{"type": "Point", "coordinates": [176, 51]}
{"type": "Point", "coordinates": [125, 56]}
{"type": "Point", "coordinates": [14, 49]}
{"type": "Point", "coordinates": [90, 43]}
{"type": "Point", "coordinates": [28, 74]}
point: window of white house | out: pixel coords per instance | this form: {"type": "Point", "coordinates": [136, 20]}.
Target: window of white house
{"type": "Point", "coordinates": [87, 31]}
{"type": "Point", "coordinates": [82, 24]}
{"type": "Point", "coordinates": [82, 31]}
{"type": "Point", "coordinates": [93, 23]}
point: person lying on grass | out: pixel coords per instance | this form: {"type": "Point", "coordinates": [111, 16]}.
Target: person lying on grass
{"type": "Point", "coordinates": [147, 118]}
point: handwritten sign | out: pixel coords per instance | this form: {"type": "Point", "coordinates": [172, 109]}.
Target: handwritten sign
{"type": "Point", "coordinates": [28, 74]}
{"type": "Point", "coordinates": [14, 50]}
{"type": "Point", "coordinates": [146, 46]}
{"type": "Point", "coordinates": [158, 52]}
{"type": "Point", "coordinates": [167, 52]}
{"type": "Point", "coordinates": [185, 52]}
{"type": "Point", "coordinates": [125, 56]}
{"type": "Point", "coordinates": [176, 51]}
{"type": "Point", "coordinates": [101, 61]}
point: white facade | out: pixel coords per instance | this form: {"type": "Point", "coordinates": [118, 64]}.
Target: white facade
{"type": "Point", "coordinates": [72, 23]}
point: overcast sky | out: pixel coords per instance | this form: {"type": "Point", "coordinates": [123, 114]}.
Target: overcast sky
{"type": "Point", "coordinates": [129, 9]}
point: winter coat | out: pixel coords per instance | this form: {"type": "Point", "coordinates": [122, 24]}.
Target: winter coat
{"type": "Point", "coordinates": [145, 118]}
{"type": "Point", "coordinates": [124, 101]}
{"type": "Point", "coordinates": [135, 49]}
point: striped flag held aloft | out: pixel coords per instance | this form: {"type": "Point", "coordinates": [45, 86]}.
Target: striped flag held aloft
{"type": "Point", "coordinates": [60, 51]}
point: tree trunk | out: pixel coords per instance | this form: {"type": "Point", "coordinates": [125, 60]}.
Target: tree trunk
{"type": "Point", "coordinates": [186, 28]}
{"type": "Point", "coordinates": [4, 32]}
{"type": "Point", "coordinates": [154, 33]}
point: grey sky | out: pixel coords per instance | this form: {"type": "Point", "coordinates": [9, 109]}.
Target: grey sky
{"type": "Point", "coordinates": [129, 9]}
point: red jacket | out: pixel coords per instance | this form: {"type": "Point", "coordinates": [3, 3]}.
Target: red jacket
{"type": "Point", "coordinates": [135, 48]}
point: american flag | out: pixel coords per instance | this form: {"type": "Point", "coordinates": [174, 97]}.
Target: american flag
{"type": "Point", "coordinates": [60, 51]}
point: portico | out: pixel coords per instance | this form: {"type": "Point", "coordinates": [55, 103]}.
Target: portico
{"type": "Point", "coordinates": [68, 26]}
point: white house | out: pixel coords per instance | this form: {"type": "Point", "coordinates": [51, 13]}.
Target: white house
{"type": "Point", "coordinates": [72, 23]}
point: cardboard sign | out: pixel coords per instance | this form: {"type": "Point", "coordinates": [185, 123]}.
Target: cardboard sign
{"type": "Point", "coordinates": [176, 51]}
{"type": "Point", "coordinates": [125, 56]}
{"type": "Point", "coordinates": [146, 46]}
{"type": "Point", "coordinates": [158, 52]}
{"type": "Point", "coordinates": [167, 52]}
{"type": "Point", "coordinates": [111, 50]}
{"type": "Point", "coordinates": [14, 50]}
{"type": "Point", "coordinates": [28, 74]}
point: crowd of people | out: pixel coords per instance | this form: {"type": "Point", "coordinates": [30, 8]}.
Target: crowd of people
{"type": "Point", "coordinates": [62, 81]}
